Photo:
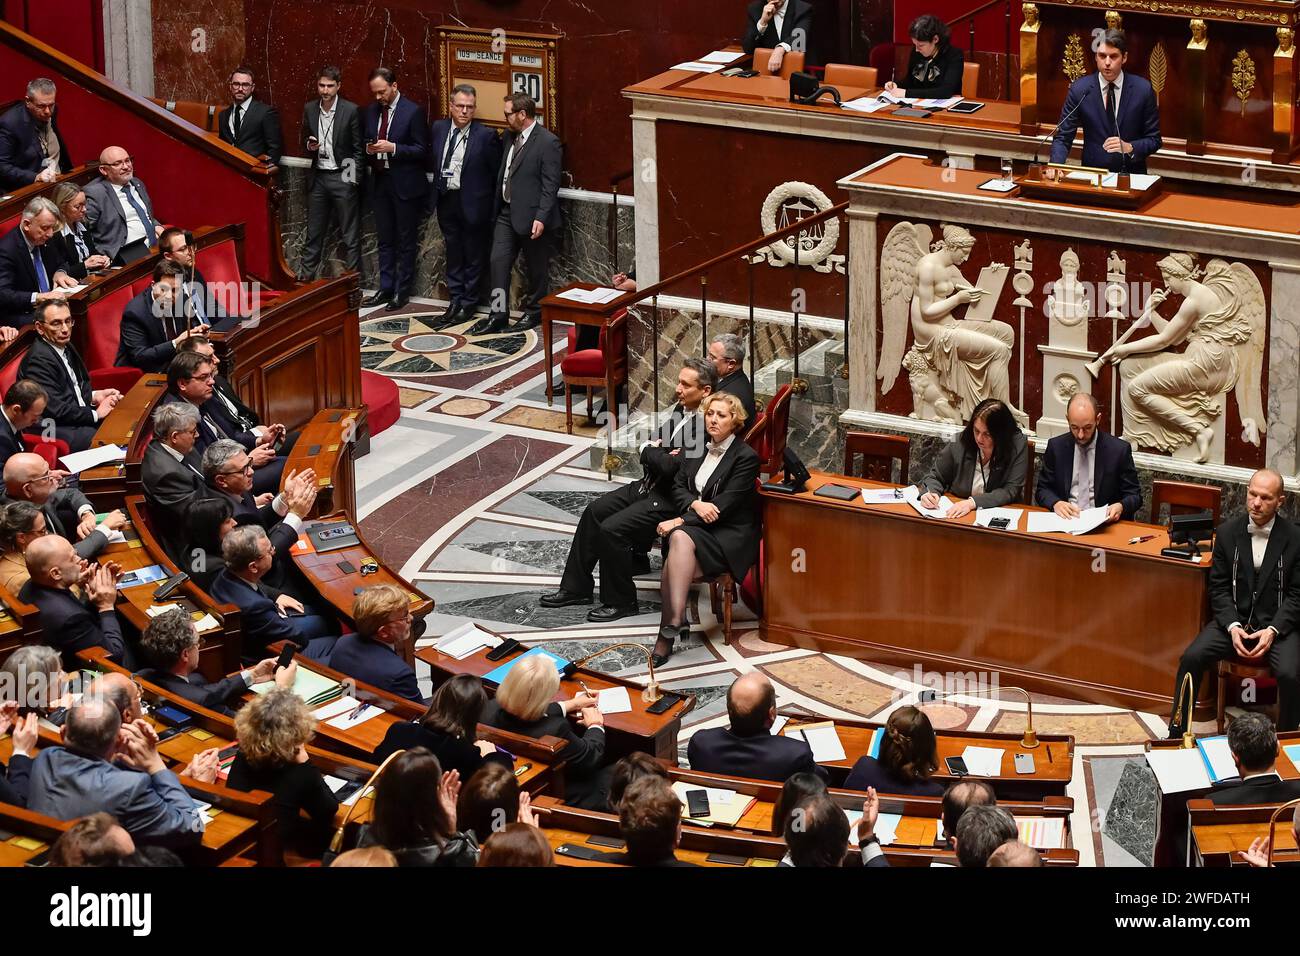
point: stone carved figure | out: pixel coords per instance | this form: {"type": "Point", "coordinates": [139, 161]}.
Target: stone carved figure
{"type": "Point", "coordinates": [1170, 399]}
{"type": "Point", "coordinates": [953, 364]}
{"type": "Point", "coordinates": [1068, 302]}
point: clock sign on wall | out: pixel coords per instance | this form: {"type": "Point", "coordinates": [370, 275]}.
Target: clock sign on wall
{"type": "Point", "coordinates": [497, 63]}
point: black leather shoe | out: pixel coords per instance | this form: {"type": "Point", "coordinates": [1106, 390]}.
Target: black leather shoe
{"type": "Point", "coordinates": [640, 562]}
{"type": "Point", "coordinates": [399, 302]}
{"type": "Point", "coordinates": [563, 598]}
{"type": "Point", "coordinates": [663, 648]}
{"type": "Point", "coordinates": [489, 326]}
{"type": "Point", "coordinates": [379, 298]}
{"type": "Point", "coordinates": [607, 612]}
{"type": "Point", "coordinates": [526, 323]}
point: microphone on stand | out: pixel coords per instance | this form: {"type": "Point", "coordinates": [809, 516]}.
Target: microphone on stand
{"type": "Point", "coordinates": [1074, 109]}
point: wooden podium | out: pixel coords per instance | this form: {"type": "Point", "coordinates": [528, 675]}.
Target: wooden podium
{"type": "Point", "coordinates": [1123, 195]}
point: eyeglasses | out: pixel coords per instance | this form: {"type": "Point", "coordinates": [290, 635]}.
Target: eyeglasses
{"type": "Point", "coordinates": [241, 85]}
{"type": "Point", "coordinates": [247, 469]}
{"type": "Point", "coordinates": [120, 164]}
{"type": "Point", "coordinates": [47, 477]}
{"type": "Point", "coordinates": [462, 106]}
{"type": "Point", "coordinates": [205, 377]}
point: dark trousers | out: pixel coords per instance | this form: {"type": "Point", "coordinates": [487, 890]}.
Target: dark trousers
{"type": "Point", "coordinates": [467, 250]}
{"type": "Point", "coordinates": [506, 244]}
{"type": "Point", "coordinates": [78, 437]}
{"type": "Point", "coordinates": [398, 222]}
{"type": "Point", "coordinates": [332, 198]}
{"type": "Point", "coordinates": [608, 531]}
{"type": "Point", "coordinates": [1214, 644]}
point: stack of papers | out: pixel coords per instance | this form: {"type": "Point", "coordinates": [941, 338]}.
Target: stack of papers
{"type": "Point", "coordinates": [465, 640]}
{"type": "Point", "coordinates": [984, 515]}
{"type": "Point", "coordinates": [823, 738]}
{"type": "Point", "coordinates": [912, 495]}
{"type": "Point", "coordinates": [1042, 833]}
{"type": "Point", "coordinates": [721, 56]}
{"type": "Point", "coordinates": [867, 104]}
{"type": "Point", "coordinates": [1200, 768]}
{"type": "Point", "coordinates": [726, 807]}
{"type": "Point", "coordinates": [983, 761]}
{"type": "Point", "coordinates": [79, 461]}
{"type": "Point", "coordinates": [1140, 181]}
{"type": "Point", "coordinates": [614, 700]}
{"type": "Point", "coordinates": [886, 826]}
{"type": "Point", "coordinates": [882, 496]}
{"type": "Point", "coordinates": [346, 712]}
{"type": "Point", "coordinates": [1041, 522]}
{"type": "Point", "coordinates": [590, 296]}
{"type": "Point", "coordinates": [311, 687]}
{"type": "Point", "coordinates": [697, 66]}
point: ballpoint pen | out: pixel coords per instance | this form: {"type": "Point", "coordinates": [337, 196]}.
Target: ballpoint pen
{"type": "Point", "coordinates": [358, 711]}
{"type": "Point", "coordinates": [1141, 538]}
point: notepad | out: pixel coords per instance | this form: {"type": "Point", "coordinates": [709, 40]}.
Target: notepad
{"type": "Point", "coordinates": [343, 705]}
{"type": "Point", "coordinates": [465, 641]}
{"type": "Point", "coordinates": [882, 496]}
{"type": "Point", "coordinates": [1218, 758]}
{"type": "Point", "coordinates": [358, 715]}
{"type": "Point", "coordinates": [726, 807]}
{"type": "Point", "coordinates": [912, 495]}
{"type": "Point", "coordinates": [1178, 771]}
{"type": "Point", "coordinates": [499, 674]}
{"type": "Point", "coordinates": [614, 700]}
{"type": "Point", "coordinates": [313, 688]}
{"type": "Point", "coordinates": [983, 761]}
{"type": "Point", "coordinates": [1292, 752]}
{"type": "Point", "coordinates": [823, 738]}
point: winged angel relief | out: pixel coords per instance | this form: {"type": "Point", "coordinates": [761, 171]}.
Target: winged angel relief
{"type": "Point", "coordinates": [953, 364]}
{"type": "Point", "coordinates": [1171, 399]}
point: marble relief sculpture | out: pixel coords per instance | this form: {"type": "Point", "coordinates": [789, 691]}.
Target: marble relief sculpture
{"type": "Point", "coordinates": [1173, 399]}
{"type": "Point", "coordinates": [1065, 353]}
{"type": "Point", "coordinates": [953, 364]}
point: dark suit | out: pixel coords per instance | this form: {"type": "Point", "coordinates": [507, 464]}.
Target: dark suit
{"type": "Point", "coordinates": [533, 172]}
{"type": "Point", "coordinates": [259, 130]}
{"type": "Point", "coordinates": [11, 443]}
{"type": "Point", "coordinates": [334, 192]}
{"type": "Point", "coordinates": [623, 859]}
{"type": "Point", "coordinates": [870, 772]}
{"type": "Point", "coordinates": [18, 276]}
{"type": "Point", "coordinates": [953, 472]}
{"type": "Point", "coordinates": [70, 626]}
{"type": "Point", "coordinates": [145, 338]}
{"type": "Point", "coordinates": [738, 384]}
{"type": "Point", "coordinates": [1114, 476]}
{"type": "Point", "coordinates": [798, 16]}
{"type": "Point", "coordinates": [730, 542]}
{"type": "Point", "coordinates": [62, 510]}
{"type": "Point", "coordinates": [214, 695]}
{"type": "Point", "coordinates": [398, 189]}
{"type": "Point", "coordinates": [1255, 599]}
{"type": "Point", "coordinates": [585, 785]}
{"type": "Point", "coordinates": [1137, 121]}
{"type": "Point", "coordinates": [22, 155]}
{"type": "Point", "coordinates": [764, 756]}
{"type": "Point", "coordinates": [74, 422]}
{"type": "Point", "coordinates": [1266, 788]}
{"type": "Point", "coordinates": [15, 779]}
{"type": "Point", "coordinates": [374, 663]}
{"type": "Point", "coordinates": [262, 625]}
{"type": "Point", "coordinates": [73, 262]}
{"type": "Point", "coordinates": [107, 222]}
{"type": "Point", "coordinates": [170, 488]}
{"type": "Point", "coordinates": [465, 213]}
{"type": "Point", "coordinates": [624, 520]}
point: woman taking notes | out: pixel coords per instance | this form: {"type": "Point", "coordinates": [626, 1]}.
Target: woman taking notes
{"type": "Point", "coordinates": [984, 466]}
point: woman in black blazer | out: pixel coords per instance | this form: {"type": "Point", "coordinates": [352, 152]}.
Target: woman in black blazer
{"type": "Point", "coordinates": [449, 730]}
{"type": "Point", "coordinates": [72, 206]}
{"type": "Point", "coordinates": [207, 521]}
{"type": "Point", "coordinates": [984, 466]}
{"type": "Point", "coordinates": [934, 68]}
{"type": "Point", "coordinates": [525, 704]}
{"type": "Point", "coordinates": [909, 755]}
{"type": "Point", "coordinates": [718, 529]}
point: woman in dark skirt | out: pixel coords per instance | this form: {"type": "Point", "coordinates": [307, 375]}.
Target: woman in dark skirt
{"type": "Point", "coordinates": [718, 529]}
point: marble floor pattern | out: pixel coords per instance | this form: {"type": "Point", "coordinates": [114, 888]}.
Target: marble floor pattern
{"type": "Point", "coordinates": [475, 493]}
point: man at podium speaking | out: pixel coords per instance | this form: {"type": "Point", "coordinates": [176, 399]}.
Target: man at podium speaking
{"type": "Point", "coordinates": [1117, 110]}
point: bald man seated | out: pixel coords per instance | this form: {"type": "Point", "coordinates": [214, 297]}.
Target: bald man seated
{"type": "Point", "coordinates": [68, 512]}
{"type": "Point", "coordinates": [119, 213]}
{"type": "Point", "coordinates": [1088, 468]}
{"type": "Point", "coordinates": [748, 748]}
{"type": "Point", "coordinates": [67, 624]}
{"type": "Point", "coordinates": [1254, 601]}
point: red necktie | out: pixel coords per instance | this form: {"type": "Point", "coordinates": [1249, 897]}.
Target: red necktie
{"type": "Point", "coordinates": [383, 134]}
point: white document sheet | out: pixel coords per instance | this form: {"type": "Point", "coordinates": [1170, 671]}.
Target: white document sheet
{"type": "Point", "coordinates": [866, 104]}
{"type": "Point", "coordinates": [1219, 755]}
{"type": "Point", "coordinates": [720, 56]}
{"type": "Point", "coordinates": [912, 495]}
{"type": "Point", "coordinates": [1042, 833]}
{"type": "Point", "coordinates": [882, 496]}
{"type": "Point", "coordinates": [465, 640]}
{"type": "Point", "coordinates": [1041, 522]}
{"type": "Point", "coordinates": [824, 741]}
{"type": "Point", "coordinates": [983, 761]}
{"type": "Point", "coordinates": [1178, 770]}
{"type": "Point", "coordinates": [79, 461]}
{"type": "Point", "coordinates": [984, 515]}
{"type": "Point", "coordinates": [344, 705]}
{"type": "Point", "coordinates": [614, 700]}
{"type": "Point", "coordinates": [697, 66]}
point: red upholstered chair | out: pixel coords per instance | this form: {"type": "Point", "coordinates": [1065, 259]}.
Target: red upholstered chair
{"type": "Point", "coordinates": [792, 62]}
{"type": "Point", "coordinates": [9, 224]}
{"type": "Point", "coordinates": [879, 452]}
{"type": "Point", "coordinates": [883, 59]}
{"type": "Point", "coordinates": [219, 264]}
{"type": "Point", "coordinates": [51, 449]}
{"type": "Point", "coordinates": [104, 328]}
{"type": "Point", "coordinates": [604, 366]}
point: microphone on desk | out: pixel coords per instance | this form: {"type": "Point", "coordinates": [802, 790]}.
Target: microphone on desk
{"type": "Point", "coordinates": [649, 694]}
{"type": "Point", "coordinates": [1074, 109]}
{"type": "Point", "coordinates": [1030, 739]}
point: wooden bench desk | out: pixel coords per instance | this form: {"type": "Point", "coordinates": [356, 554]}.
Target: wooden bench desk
{"type": "Point", "coordinates": [127, 425]}
{"type": "Point", "coordinates": [325, 444]}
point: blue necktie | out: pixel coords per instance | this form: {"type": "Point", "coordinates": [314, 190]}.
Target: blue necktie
{"type": "Point", "coordinates": [139, 211]}
{"type": "Point", "coordinates": [42, 279]}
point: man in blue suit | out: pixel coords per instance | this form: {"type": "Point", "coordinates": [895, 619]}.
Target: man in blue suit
{"type": "Point", "coordinates": [748, 748]}
{"type": "Point", "coordinates": [397, 148]}
{"type": "Point", "coordinates": [383, 617]}
{"type": "Point", "coordinates": [465, 159]}
{"type": "Point", "coordinates": [1088, 468]}
{"type": "Point", "coordinates": [31, 146]}
{"type": "Point", "coordinates": [32, 269]}
{"type": "Point", "coordinates": [69, 625]}
{"type": "Point", "coordinates": [1117, 110]}
{"type": "Point", "coordinates": [266, 615]}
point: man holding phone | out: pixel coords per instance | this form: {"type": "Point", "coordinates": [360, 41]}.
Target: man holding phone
{"type": "Point", "coordinates": [331, 136]}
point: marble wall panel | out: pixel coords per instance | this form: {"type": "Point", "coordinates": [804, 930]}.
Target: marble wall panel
{"type": "Point", "coordinates": [196, 43]}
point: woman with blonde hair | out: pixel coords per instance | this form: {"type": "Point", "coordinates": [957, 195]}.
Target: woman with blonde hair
{"type": "Point", "coordinates": [273, 732]}
{"type": "Point", "coordinates": [73, 241]}
{"type": "Point", "coordinates": [718, 528]}
{"type": "Point", "coordinates": [525, 704]}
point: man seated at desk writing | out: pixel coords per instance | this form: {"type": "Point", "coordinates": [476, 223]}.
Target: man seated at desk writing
{"type": "Point", "coordinates": [1088, 468]}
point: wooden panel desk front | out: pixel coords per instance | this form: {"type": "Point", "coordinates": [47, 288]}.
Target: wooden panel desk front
{"type": "Point", "coordinates": [325, 445]}
{"type": "Point", "coordinates": [1086, 617]}
{"type": "Point", "coordinates": [655, 734]}
{"type": "Point", "coordinates": [1053, 758]}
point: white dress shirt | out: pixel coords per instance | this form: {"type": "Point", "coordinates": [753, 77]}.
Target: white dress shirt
{"type": "Point", "coordinates": [457, 158]}
{"type": "Point", "coordinates": [978, 476]}
{"type": "Point", "coordinates": [521, 139]}
{"type": "Point", "coordinates": [778, 21]}
{"type": "Point", "coordinates": [712, 458]}
{"type": "Point", "coordinates": [135, 229]}
{"type": "Point", "coordinates": [1259, 539]}
{"type": "Point", "coordinates": [179, 457]}
{"type": "Point", "coordinates": [1085, 461]}
{"type": "Point", "coordinates": [325, 138]}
